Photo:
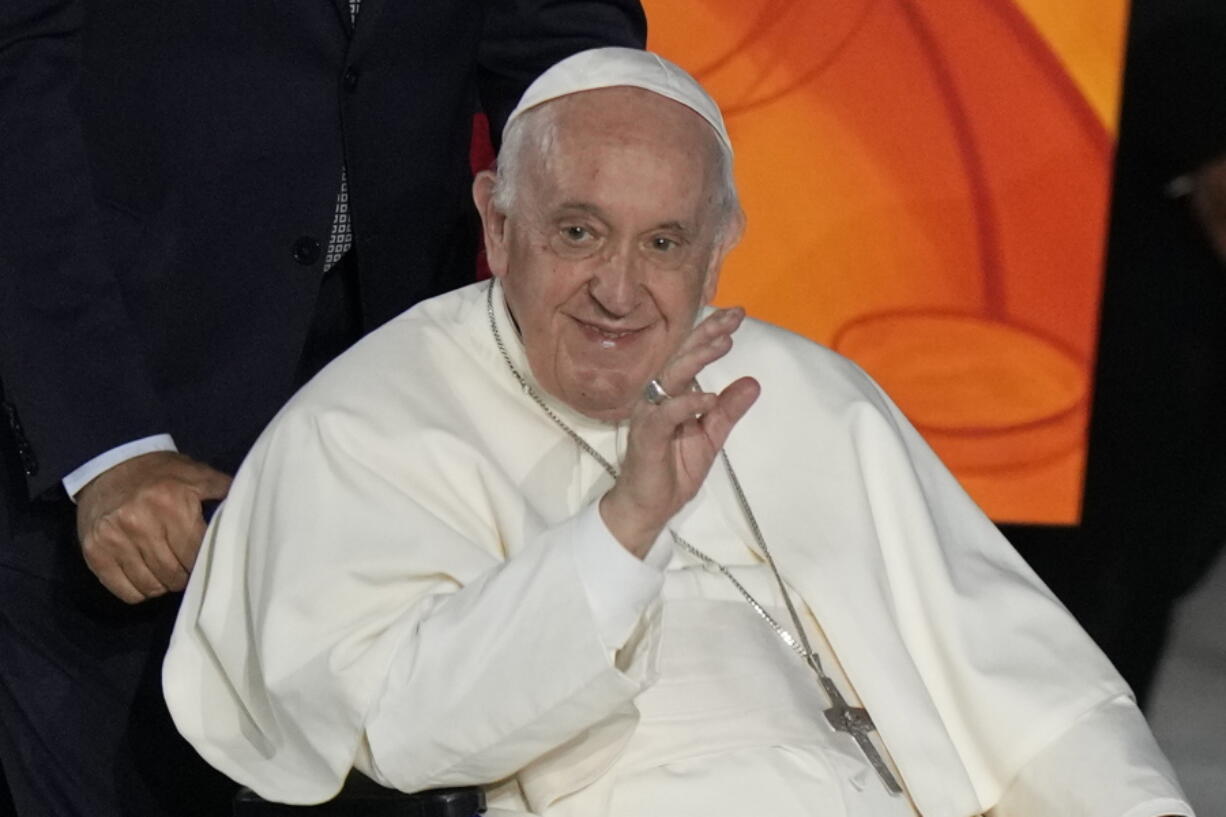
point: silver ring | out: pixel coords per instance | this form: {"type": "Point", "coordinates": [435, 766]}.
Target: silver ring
{"type": "Point", "coordinates": [654, 393]}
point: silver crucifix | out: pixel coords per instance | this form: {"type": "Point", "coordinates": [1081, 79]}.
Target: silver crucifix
{"type": "Point", "coordinates": [855, 721]}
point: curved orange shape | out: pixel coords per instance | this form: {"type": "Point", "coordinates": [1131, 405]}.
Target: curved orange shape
{"type": "Point", "coordinates": [903, 158]}
{"type": "Point", "coordinates": [986, 395]}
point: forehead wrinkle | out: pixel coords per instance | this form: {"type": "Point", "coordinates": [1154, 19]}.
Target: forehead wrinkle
{"type": "Point", "coordinates": [618, 119]}
{"type": "Point", "coordinates": [595, 210]}
{"type": "Point", "coordinates": [584, 206]}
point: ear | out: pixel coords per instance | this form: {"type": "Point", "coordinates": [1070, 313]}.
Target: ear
{"type": "Point", "coordinates": [493, 222]}
{"type": "Point", "coordinates": [730, 236]}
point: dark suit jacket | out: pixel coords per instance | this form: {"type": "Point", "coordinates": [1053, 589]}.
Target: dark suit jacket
{"type": "Point", "coordinates": [168, 175]}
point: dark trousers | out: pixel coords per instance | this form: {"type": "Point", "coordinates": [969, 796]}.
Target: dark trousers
{"type": "Point", "coordinates": [84, 730]}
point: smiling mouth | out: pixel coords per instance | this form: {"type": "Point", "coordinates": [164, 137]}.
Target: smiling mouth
{"type": "Point", "coordinates": [606, 337]}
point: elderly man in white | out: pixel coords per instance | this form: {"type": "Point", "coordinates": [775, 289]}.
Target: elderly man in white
{"type": "Point", "coordinates": [558, 535]}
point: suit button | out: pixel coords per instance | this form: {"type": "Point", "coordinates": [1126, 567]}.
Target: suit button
{"type": "Point", "coordinates": [351, 77]}
{"type": "Point", "coordinates": [305, 251]}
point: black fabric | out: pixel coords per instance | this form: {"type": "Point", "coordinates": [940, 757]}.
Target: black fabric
{"type": "Point", "coordinates": [362, 797]}
{"type": "Point", "coordinates": [337, 320]}
{"type": "Point", "coordinates": [168, 178]}
{"type": "Point", "coordinates": [7, 809]}
{"type": "Point", "coordinates": [84, 729]}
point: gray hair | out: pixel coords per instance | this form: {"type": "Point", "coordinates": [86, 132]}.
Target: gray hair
{"type": "Point", "coordinates": [537, 129]}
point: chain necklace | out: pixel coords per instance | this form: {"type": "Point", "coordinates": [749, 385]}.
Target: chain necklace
{"type": "Point", "coordinates": [844, 718]}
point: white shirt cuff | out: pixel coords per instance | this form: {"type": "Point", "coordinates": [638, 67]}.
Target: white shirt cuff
{"type": "Point", "coordinates": [82, 476]}
{"type": "Point", "coordinates": [619, 586]}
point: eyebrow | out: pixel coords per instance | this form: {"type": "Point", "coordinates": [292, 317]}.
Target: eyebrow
{"type": "Point", "coordinates": [594, 210]}
{"type": "Point", "coordinates": [580, 205]}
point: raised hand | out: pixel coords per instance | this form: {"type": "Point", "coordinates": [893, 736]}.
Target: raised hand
{"type": "Point", "coordinates": [672, 445]}
{"type": "Point", "coordinates": [140, 523]}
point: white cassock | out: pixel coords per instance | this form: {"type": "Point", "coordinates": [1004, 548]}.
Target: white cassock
{"type": "Point", "coordinates": [410, 576]}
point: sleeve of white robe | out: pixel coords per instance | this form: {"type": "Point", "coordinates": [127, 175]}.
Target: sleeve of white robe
{"type": "Point", "coordinates": [346, 591]}
{"type": "Point", "coordinates": [433, 727]}
{"type": "Point", "coordinates": [1106, 765]}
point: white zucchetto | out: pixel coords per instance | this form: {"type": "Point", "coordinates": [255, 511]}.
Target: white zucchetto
{"type": "Point", "coordinates": [615, 67]}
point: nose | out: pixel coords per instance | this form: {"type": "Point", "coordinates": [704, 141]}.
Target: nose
{"type": "Point", "coordinates": [617, 285]}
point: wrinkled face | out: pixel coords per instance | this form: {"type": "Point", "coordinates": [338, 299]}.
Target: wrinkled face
{"type": "Point", "coordinates": [611, 246]}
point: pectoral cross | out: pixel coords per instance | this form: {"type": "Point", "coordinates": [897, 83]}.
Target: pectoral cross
{"type": "Point", "coordinates": [855, 721]}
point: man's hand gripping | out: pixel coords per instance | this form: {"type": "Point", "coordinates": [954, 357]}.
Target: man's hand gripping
{"type": "Point", "coordinates": [140, 523]}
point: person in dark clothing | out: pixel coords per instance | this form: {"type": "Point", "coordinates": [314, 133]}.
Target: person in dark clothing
{"type": "Point", "coordinates": [202, 203]}
{"type": "Point", "coordinates": [1154, 514]}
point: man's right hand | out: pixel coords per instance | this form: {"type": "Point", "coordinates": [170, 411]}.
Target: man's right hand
{"type": "Point", "coordinates": [670, 447]}
{"type": "Point", "coordinates": [140, 523]}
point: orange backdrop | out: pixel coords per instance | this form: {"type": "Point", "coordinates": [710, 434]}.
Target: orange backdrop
{"type": "Point", "coordinates": [926, 183]}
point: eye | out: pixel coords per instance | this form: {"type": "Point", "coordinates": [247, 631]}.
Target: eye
{"type": "Point", "coordinates": [663, 244]}
{"type": "Point", "coordinates": [576, 234]}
